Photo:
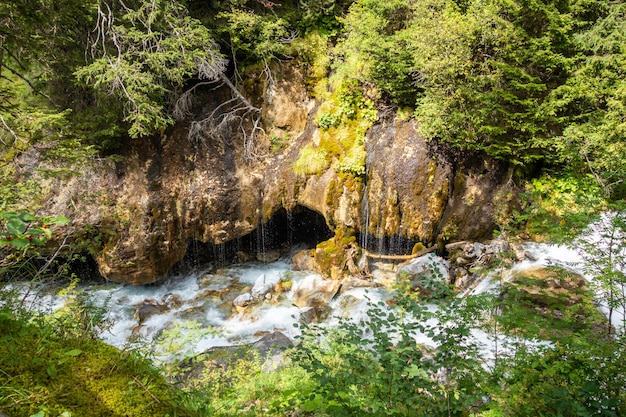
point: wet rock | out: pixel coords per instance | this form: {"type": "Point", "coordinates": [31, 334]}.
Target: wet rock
{"type": "Point", "coordinates": [243, 256]}
{"type": "Point", "coordinates": [262, 287]}
{"type": "Point", "coordinates": [499, 245]}
{"type": "Point", "coordinates": [303, 260]}
{"type": "Point", "coordinates": [430, 274]}
{"type": "Point", "coordinates": [355, 282]}
{"type": "Point", "coordinates": [243, 300]}
{"type": "Point", "coordinates": [472, 250]}
{"type": "Point", "coordinates": [272, 343]}
{"type": "Point", "coordinates": [147, 309]}
{"type": "Point", "coordinates": [172, 300]}
{"type": "Point", "coordinates": [546, 286]}
{"type": "Point", "coordinates": [269, 348]}
{"type": "Point", "coordinates": [521, 254]}
{"type": "Point", "coordinates": [466, 253]}
{"type": "Point", "coordinates": [268, 256]}
{"type": "Point", "coordinates": [314, 291]}
{"type": "Point", "coordinates": [462, 278]}
{"type": "Point", "coordinates": [283, 286]}
{"type": "Point", "coordinates": [315, 313]}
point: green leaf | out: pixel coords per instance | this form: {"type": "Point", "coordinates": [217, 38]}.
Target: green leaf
{"type": "Point", "coordinates": [51, 370]}
{"type": "Point", "coordinates": [27, 217]}
{"type": "Point", "coordinates": [73, 352]}
{"type": "Point", "coordinates": [9, 215]}
{"type": "Point", "coordinates": [16, 226]}
{"type": "Point", "coordinates": [20, 243]}
{"type": "Point", "coordinates": [60, 220]}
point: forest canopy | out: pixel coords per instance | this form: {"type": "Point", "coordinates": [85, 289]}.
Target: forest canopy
{"type": "Point", "coordinates": [536, 83]}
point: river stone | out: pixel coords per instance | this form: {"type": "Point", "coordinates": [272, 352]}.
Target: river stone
{"type": "Point", "coordinates": [355, 282]}
{"type": "Point", "coordinates": [314, 291]}
{"type": "Point", "coordinates": [430, 274]}
{"type": "Point", "coordinates": [268, 256]}
{"type": "Point", "coordinates": [269, 348]}
{"type": "Point", "coordinates": [303, 260]}
{"type": "Point", "coordinates": [462, 278]}
{"type": "Point", "coordinates": [272, 343]}
{"type": "Point", "coordinates": [147, 309]}
{"type": "Point", "coordinates": [543, 286]}
{"type": "Point", "coordinates": [263, 286]}
{"type": "Point", "coordinates": [242, 300]}
{"type": "Point", "coordinates": [315, 313]}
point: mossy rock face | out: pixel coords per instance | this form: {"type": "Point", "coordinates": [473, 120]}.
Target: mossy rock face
{"type": "Point", "coordinates": [423, 192]}
{"type": "Point", "coordinates": [331, 256]}
{"type": "Point", "coordinates": [550, 302]}
{"type": "Point", "coordinates": [552, 287]}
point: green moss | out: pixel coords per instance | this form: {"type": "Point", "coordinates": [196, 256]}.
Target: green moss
{"type": "Point", "coordinates": [418, 247]}
{"type": "Point", "coordinates": [43, 371]}
{"type": "Point", "coordinates": [333, 193]}
{"type": "Point", "coordinates": [330, 255]}
{"type": "Point", "coordinates": [313, 49]}
{"type": "Point", "coordinates": [344, 117]}
{"type": "Point", "coordinates": [551, 303]}
{"type": "Point", "coordinates": [312, 160]}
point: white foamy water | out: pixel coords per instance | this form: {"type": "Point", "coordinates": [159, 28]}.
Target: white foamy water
{"type": "Point", "coordinates": [191, 313]}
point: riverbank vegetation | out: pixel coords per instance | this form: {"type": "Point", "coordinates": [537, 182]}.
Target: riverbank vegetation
{"type": "Point", "coordinates": [539, 84]}
{"type": "Point", "coordinates": [522, 350]}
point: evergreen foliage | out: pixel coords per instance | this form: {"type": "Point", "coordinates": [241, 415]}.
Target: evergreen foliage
{"type": "Point", "coordinates": [540, 84]}
{"type": "Point", "coordinates": [144, 54]}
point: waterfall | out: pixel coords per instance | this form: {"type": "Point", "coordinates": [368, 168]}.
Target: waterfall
{"type": "Point", "coordinates": [365, 213]}
{"type": "Point", "coordinates": [198, 306]}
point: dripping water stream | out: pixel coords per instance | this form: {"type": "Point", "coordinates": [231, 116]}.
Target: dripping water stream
{"type": "Point", "coordinates": [196, 308]}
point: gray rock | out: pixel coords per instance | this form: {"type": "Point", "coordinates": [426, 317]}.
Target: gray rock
{"type": "Point", "coordinates": [262, 286]}
{"type": "Point", "coordinates": [148, 309]}
{"type": "Point", "coordinates": [430, 274]}
{"type": "Point", "coordinates": [243, 300]}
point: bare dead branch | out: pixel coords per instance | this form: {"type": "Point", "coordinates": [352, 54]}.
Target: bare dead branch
{"type": "Point", "coordinates": [8, 129]}
{"type": "Point", "coordinates": [234, 90]}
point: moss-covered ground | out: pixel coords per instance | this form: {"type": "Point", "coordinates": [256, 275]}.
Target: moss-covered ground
{"type": "Point", "coordinates": [46, 372]}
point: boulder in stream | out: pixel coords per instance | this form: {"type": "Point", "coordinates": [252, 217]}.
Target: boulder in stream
{"type": "Point", "coordinates": [263, 286]}
{"type": "Point", "coordinates": [304, 260]}
{"type": "Point", "coordinates": [269, 349]}
{"type": "Point", "coordinates": [242, 300]}
{"type": "Point", "coordinates": [314, 290]}
{"type": "Point", "coordinates": [147, 309]}
{"type": "Point", "coordinates": [546, 286]}
{"type": "Point", "coordinates": [268, 256]}
{"type": "Point", "coordinates": [428, 274]}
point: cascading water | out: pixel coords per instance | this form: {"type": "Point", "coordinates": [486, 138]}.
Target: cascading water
{"type": "Point", "coordinates": [365, 213]}
{"type": "Point", "coordinates": [196, 309]}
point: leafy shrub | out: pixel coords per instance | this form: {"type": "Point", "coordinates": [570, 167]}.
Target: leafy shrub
{"type": "Point", "coordinates": [326, 120]}
{"type": "Point", "coordinates": [579, 379]}
{"type": "Point", "coordinates": [374, 366]}
{"type": "Point", "coordinates": [559, 207]}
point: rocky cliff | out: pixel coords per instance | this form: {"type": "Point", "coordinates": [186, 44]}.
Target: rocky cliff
{"type": "Point", "coordinates": [167, 192]}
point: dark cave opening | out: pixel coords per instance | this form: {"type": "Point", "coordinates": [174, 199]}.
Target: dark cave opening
{"type": "Point", "coordinates": [284, 233]}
